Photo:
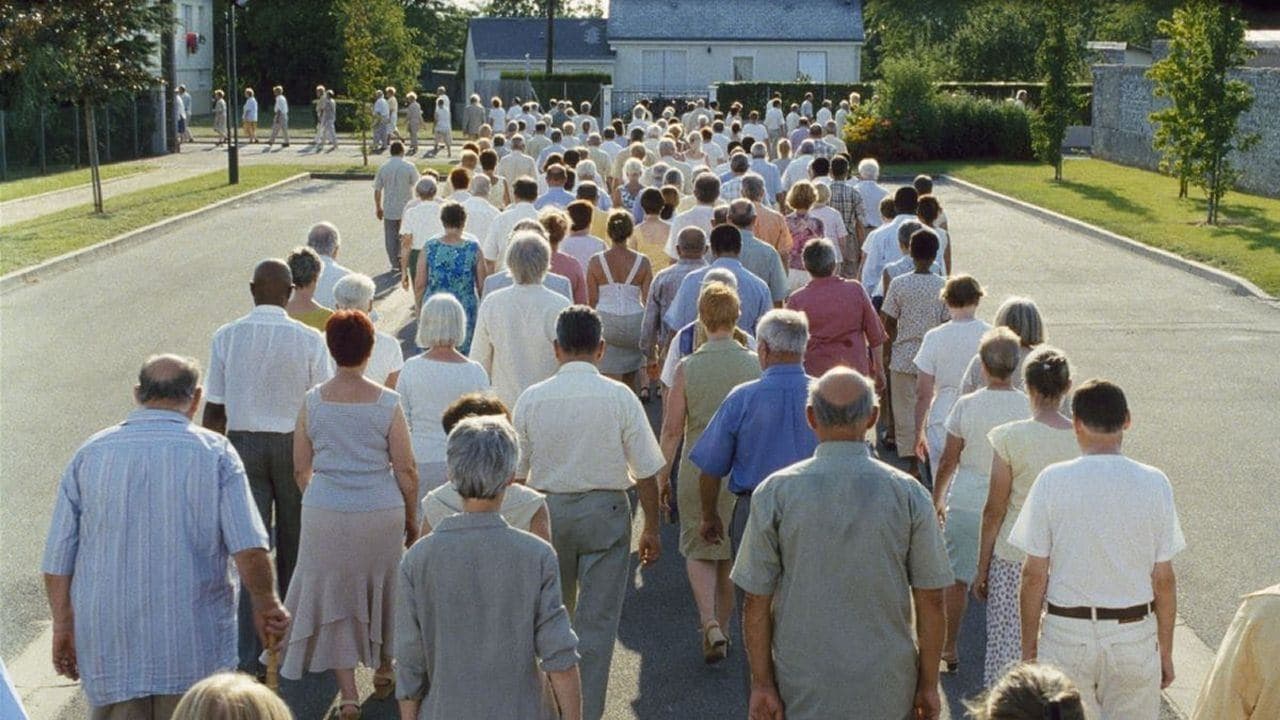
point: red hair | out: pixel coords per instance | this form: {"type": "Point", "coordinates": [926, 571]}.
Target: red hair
{"type": "Point", "coordinates": [349, 334]}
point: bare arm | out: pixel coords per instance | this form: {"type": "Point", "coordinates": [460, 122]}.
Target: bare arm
{"type": "Point", "coordinates": [215, 417]}
{"type": "Point", "coordinates": [757, 633]}
{"type": "Point", "coordinates": [539, 525]}
{"type": "Point", "coordinates": [650, 541]}
{"type": "Point", "coordinates": [924, 398]}
{"type": "Point", "coordinates": [672, 431]}
{"type": "Point", "coordinates": [593, 280]}
{"type": "Point", "coordinates": [303, 452]}
{"type": "Point", "coordinates": [406, 471]}
{"type": "Point", "coordinates": [270, 618]}
{"type": "Point", "coordinates": [377, 203]}
{"type": "Point", "coordinates": [567, 687]}
{"type": "Point", "coordinates": [1165, 585]}
{"type": "Point", "coordinates": [58, 590]}
{"type": "Point", "coordinates": [993, 513]}
{"type": "Point", "coordinates": [945, 472]}
{"type": "Point", "coordinates": [930, 629]}
{"type": "Point", "coordinates": [1031, 595]}
{"type": "Point", "coordinates": [393, 379]}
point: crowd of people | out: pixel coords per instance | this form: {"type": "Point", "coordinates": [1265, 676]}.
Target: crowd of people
{"type": "Point", "coordinates": [461, 522]}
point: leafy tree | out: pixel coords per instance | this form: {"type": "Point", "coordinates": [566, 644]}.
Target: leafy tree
{"type": "Point", "coordinates": [442, 31]}
{"type": "Point", "coordinates": [996, 40]}
{"type": "Point", "coordinates": [1057, 60]}
{"type": "Point", "coordinates": [1197, 131]}
{"type": "Point", "coordinates": [88, 50]}
{"type": "Point", "coordinates": [361, 66]}
{"type": "Point", "coordinates": [538, 8]}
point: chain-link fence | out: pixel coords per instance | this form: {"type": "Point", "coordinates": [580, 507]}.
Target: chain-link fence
{"type": "Point", "coordinates": [36, 141]}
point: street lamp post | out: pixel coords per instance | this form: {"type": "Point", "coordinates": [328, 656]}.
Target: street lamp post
{"type": "Point", "coordinates": [233, 93]}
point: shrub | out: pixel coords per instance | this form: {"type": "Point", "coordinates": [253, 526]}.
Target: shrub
{"type": "Point", "coordinates": [756, 95]}
{"type": "Point", "coordinates": [959, 126]}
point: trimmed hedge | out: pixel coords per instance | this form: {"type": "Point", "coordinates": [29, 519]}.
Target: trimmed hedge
{"type": "Point", "coordinates": [952, 127]}
{"type": "Point", "coordinates": [603, 78]}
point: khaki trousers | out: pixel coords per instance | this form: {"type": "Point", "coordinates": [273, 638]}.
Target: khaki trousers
{"type": "Point", "coordinates": [902, 396]}
{"type": "Point", "coordinates": [151, 707]}
{"type": "Point", "coordinates": [1116, 665]}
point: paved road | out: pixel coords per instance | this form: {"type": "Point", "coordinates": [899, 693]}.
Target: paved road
{"type": "Point", "coordinates": [1198, 362]}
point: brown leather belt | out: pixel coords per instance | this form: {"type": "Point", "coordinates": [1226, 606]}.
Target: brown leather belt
{"type": "Point", "coordinates": [1137, 612]}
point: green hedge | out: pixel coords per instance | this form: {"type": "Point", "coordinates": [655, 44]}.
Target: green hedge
{"type": "Point", "coordinates": [347, 109]}
{"type": "Point", "coordinates": [603, 78]}
{"type": "Point", "coordinates": [575, 86]}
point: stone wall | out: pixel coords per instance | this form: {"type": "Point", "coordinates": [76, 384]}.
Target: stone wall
{"type": "Point", "coordinates": [1122, 101]}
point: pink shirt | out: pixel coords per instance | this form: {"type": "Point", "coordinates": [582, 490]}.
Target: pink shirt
{"type": "Point", "coordinates": [843, 325]}
{"type": "Point", "coordinates": [568, 266]}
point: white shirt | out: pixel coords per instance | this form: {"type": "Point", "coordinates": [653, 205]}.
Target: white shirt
{"type": "Point", "coordinates": [842, 116]}
{"type": "Point", "coordinates": [872, 193]}
{"type": "Point", "coordinates": [422, 221]}
{"type": "Point", "coordinates": [282, 105]}
{"type": "Point", "coordinates": [427, 388]}
{"type": "Point", "coordinates": [381, 109]}
{"type": "Point", "coordinates": [261, 367]}
{"type": "Point", "coordinates": [611, 148]}
{"type": "Point", "coordinates": [515, 166]}
{"type": "Point", "coordinates": [494, 243]}
{"type": "Point", "coordinates": [793, 122]}
{"type": "Point", "coordinates": [250, 113]}
{"type": "Point", "coordinates": [823, 116]}
{"type": "Point", "coordinates": [796, 171]}
{"type": "Point", "coordinates": [582, 247]}
{"type": "Point", "coordinates": [387, 357]}
{"type": "Point", "coordinates": [881, 248]}
{"type": "Point", "coordinates": [1103, 521]}
{"type": "Point", "coordinates": [330, 273]}
{"type": "Point", "coordinates": [580, 431]}
{"type": "Point", "coordinates": [832, 225]}
{"type": "Point", "coordinates": [773, 119]}
{"type": "Point", "coordinates": [945, 353]}
{"type": "Point", "coordinates": [755, 130]}
{"type": "Point", "coordinates": [498, 119]}
{"type": "Point", "coordinates": [515, 328]}
{"type": "Point", "coordinates": [696, 216]}
{"type": "Point", "coordinates": [480, 213]}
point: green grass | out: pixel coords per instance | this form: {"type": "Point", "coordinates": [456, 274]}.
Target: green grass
{"type": "Point", "coordinates": [1141, 205]}
{"type": "Point", "coordinates": [33, 241]}
{"type": "Point", "coordinates": [35, 185]}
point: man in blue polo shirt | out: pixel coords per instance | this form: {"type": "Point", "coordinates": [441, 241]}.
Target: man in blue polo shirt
{"type": "Point", "coordinates": [761, 426]}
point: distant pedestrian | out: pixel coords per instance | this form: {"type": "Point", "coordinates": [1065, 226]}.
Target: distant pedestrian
{"type": "Point", "coordinates": [452, 263]}
{"type": "Point", "coordinates": [393, 115]}
{"type": "Point", "coordinates": [1108, 527]}
{"type": "Point", "coordinates": [844, 328]}
{"type": "Point", "coordinates": [508, 650]}
{"type": "Point", "coordinates": [617, 286]}
{"type": "Point", "coordinates": [1244, 683]}
{"type": "Point", "coordinates": [260, 369]}
{"type": "Point", "coordinates": [318, 108]}
{"type": "Point", "coordinates": [220, 117]}
{"type": "Point", "coordinates": [392, 187]}
{"type": "Point", "coordinates": [1029, 692]}
{"type": "Point", "coordinates": [279, 117]}
{"type": "Point", "coordinates": [128, 515]}
{"type": "Point", "coordinates": [381, 121]}
{"type": "Point", "coordinates": [473, 118]}
{"type": "Point", "coordinates": [182, 112]}
{"type": "Point", "coordinates": [836, 536]}
{"type": "Point", "coordinates": [249, 116]}
{"type": "Point", "coordinates": [413, 118]}
{"type": "Point", "coordinates": [443, 126]}
{"type": "Point", "coordinates": [330, 119]}
{"type": "Point", "coordinates": [231, 696]}
{"type": "Point", "coordinates": [804, 226]}
{"type": "Point", "coordinates": [305, 267]}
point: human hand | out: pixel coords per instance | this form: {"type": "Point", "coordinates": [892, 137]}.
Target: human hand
{"type": "Point", "coordinates": [64, 653]}
{"type": "Point", "coordinates": [765, 704]}
{"type": "Point", "coordinates": [664, 493]}
{"type": "Point", "coordinates": [1166, 669]}
{"type": "Point", "coordinates": [650, 547]}
{"type": "Point", "coordinates": [928, 706]}
{"type": "Point", "coordinates": [404, 281]}
{"type": "Point", "coordinates": [378, 212]}
{"type": "Point", "coordinates": [940, 507]}
{"type": "Point", "coordinates": [712, 530]}
{"type": "Point", "coordinates": [271, 620]}
{"type": "Point", "coordinates": [922, 447]}
{"type": "Point", "coordinates": [979, 588]}
{"type": "Point", "coordinates": [410, 532]}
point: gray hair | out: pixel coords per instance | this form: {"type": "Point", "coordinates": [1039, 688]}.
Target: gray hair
{"type": "Point", "coordinates": [632, 167]}
{"type": "Point", "coordinates": [666, 147]}
{"type": "Point", "coordinates": [720, 275]}
{"type": "Point", "coordinates": [869, 169]}
{"type": "Point", "coordinates": [856, 413]}
{"type": "Point", "coordinates": [784, 331]}
{"type": "Point", "coordinates": [528, 257]}
{"type": "Point", "coordinates": [819, 257]}
{"type": "Point", "coordinates": [742, 214]}
{"type": "Point", "coordinates": [180, 383]}
{"type": "Point", "coordinates": [354, 292]}
{"type": "Point", "coordinates": [759, 150]}
{"type": "Point", "coordinates": [753, 187]}
{"type": "Point", "coordinates": [323, 238]}
{"type": "Point", "coordinates": [443, 322]}
{"type": "Point", "coordinates": [673, 177]}
{"type": "Point", "coordinates": [481, 456]}
{"type": "Point", "coordinates": [1021, 315]}
{"type": "Point", "coordinates": [480, 185]}
{"type": "Point", "coordinates": [426, 188]}
{"type": "Point", "coordinates": [586, 170]}
{"type": "Point", "coordinates": [739, 163]}
{"type": "Point", "coordinates": [692, 239]}
{"type": "Point", "coordinates": [1000, 352]}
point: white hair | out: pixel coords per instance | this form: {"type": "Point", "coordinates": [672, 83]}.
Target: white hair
{"type": "Point", "coordinates": [354, 292]}
{"type": "Point", "coordinates": [784, 331]}
{"type": "Point", "coordinates": [586, 170]}
{"type": "Point", "coordinates": [323, 238]}
{"type": "Point", "coordinates": [720, 275]}
{"type": "Point", "coordinates": [528, 257]}
{"type": "Point", "coordinates": [480, 185]}
{"type": "Point", "coordinates": [443, 322]}
{"type": "Point", "coordinates": [481, 456]}
{"type": "Point", "coordinates": [869, 169]}
{"type": "Point", "coordinates": [632, 167]}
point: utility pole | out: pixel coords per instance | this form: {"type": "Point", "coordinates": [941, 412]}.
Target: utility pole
{"type": "Point", "coordinates": [168, 66]}
{"type": "Point", "coordinates": [551, 35]}
{"type": "Point", "coordinates": [233, 95]}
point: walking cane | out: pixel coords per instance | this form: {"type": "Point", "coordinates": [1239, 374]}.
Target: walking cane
{"type": "Point", "coordinates": [273, 665]}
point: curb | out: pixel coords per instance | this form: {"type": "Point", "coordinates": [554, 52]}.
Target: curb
{"type": "Point", "coordinates": [62, 263]}
{"type": "Point", "coordinates": [1235, 283]}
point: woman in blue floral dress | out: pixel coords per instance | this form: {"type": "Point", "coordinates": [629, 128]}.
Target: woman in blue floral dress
{"type": "Point", "coordinates": [451, 263]}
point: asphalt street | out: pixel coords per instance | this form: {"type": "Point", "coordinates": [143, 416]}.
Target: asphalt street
{"type": "Point", "coordinates": [1199, 365]}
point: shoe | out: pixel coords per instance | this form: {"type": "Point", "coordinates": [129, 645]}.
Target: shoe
{"type": "Point", "coordinates": [347, 710]}
{"type": "Point", "coordinates": [384, 686]}
{"type": "Point", "coordinates": [285, 145]}
{"type": "Point", "coordinates": [644, 395]}
{"type": "Point", "coordinates": [715, 646]}
{"type": "Point", "coordinates": [950, 667]}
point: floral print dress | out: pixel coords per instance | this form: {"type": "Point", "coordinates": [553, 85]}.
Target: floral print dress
{"type": "Point", "coordinates": [452, 269]}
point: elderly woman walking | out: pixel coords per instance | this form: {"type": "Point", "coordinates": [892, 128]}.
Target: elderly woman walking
{"type": "Point", "coordinates": [355, 292]}
{"type": "Point", "coordinates": [960, 489]}
{"type": "Point", "coordinates": [620, 304]}
{"type": "Point", "coordinates": [451, 263]}
{"type": "Point", "coordinates": [1020, 451]}
{"type": "Point", "coordinates": [353, 460]}
{"type": "Point", "coordinates": [484, 657]}
{"type": "Point", "coordinates": [219, 117]}
{"type": "Point", "coordinates": [430, 382]}
{"type": "Point", "coordinates": [844, 328]}
{"type": "Point", "coordinates": [803, 227]}
{"type": "Point", "coordinates": [1020, 315]}
{"type": "Point", "coordinates": [702, 381]}
{"type": "Point", "coordinates": [305, 266]}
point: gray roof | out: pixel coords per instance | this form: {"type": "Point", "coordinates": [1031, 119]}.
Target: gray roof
{"type": "Point", "coordinates": [512, 38]}
{"type": "Point", "coordinates": [707, 20]}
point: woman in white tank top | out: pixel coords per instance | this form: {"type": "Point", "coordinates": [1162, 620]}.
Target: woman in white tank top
{"type": "Point", "coordinates": [620, 304]}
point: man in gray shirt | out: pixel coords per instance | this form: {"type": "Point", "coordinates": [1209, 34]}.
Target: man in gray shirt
{"type": "Point", "coordinates": [392, 188]}
{"type": "Point", "coordinates": [836, 549]}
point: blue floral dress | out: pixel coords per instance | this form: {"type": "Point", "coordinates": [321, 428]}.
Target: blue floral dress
{"type": "Point", "coordinates": [452, 269]}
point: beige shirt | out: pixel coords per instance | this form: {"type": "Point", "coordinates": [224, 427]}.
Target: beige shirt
{"type": "Point", "coordinates": [494, 242]}
{"type": "Point", "coordinates": [1028, 447]}
{"type": "Point", "coordinates": [1245, 681]}
{"type": "Point", "coordinates": [580, 431]}
{"type": "Point", "coordinates": [519, 505]}
{"type": "Point", "coordinates": [515, 328]}
{"type": "Point", "coordinates": [515, 166]}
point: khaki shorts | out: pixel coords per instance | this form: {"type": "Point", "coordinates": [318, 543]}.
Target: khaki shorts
{"type": "Point", "coordinates": [903, 399]}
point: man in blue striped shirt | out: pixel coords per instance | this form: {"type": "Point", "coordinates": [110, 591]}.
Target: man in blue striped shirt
{"type": "Point", "coordinates": [147, 516]}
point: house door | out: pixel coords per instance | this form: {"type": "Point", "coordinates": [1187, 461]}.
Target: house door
{"type": "Point", "coordinates": [812, 66]}
{"type": "Point", "coordinates": [665, 70]}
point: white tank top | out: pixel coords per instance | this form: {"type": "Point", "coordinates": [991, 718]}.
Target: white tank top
{"type": "Point", "coordinates": [620, 298]}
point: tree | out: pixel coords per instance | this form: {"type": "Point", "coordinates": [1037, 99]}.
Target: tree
{"type": "Point", "coordinates": [538, 8]}
{"type": "Point", "coordinates": [377, 47]}
{"type": "Point", "coordinates": [1057, 60]}
{"type": "Point", "coordinates": [87, 50]}
{"type": "Point", "coordinates": [1197, 131]}
{"type": "Point", "coordinates": [996, 41]}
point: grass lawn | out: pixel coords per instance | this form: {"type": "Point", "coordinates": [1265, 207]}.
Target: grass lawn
{"type": "Point", "coordinates": [27, 187]}
{"type": "Point", "coordinates": [1142, 205]}
{"type": "Point", "coordinates": [33, 241]}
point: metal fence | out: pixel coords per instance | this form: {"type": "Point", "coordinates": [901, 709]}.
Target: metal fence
{"type": "Point", "coordinates": [625, 100]}
{"type": "Point", "coordinates": [37, 141]}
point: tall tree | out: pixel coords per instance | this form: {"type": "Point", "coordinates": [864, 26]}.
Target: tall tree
{"type": "Point", "coordinates": [88, 50]}
{"type": "Point", "coordinates": [361, 66]}
{"type": "Point", "coordinates": [1057, 60]}
{"type": "Point", "coordinates": [536, 8]}
{"type": "Point", "coordinates": [1197, 132]}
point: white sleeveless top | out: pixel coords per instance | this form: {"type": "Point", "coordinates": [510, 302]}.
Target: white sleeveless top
{"type": "Point", "coordinates": [620, 298]}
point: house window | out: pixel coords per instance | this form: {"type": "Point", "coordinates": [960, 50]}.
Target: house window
{"type": "Point", "coordinates": [186, 18]}
{"type": "Point", "coordinates": [744, 68]}
{"type": "Point", "coordinates": [665, 70]}
{"type": "Point", "coordinates": [199, 19]}
{"type": "Point", "coordinates": [811, 67]}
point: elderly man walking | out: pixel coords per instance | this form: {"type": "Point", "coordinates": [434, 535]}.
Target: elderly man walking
{"type": "Point", "coordinates": [756, 255]}
{"type": "Point", "coordinates": [836, 537]}
{"type": "Point", "coordinates": [392, 188]}
{"type": "Point", "coordinates": [260, 370]}
{"type": "Point", "coordinates": [585, 441]}
{"type": "Point", "coordinates": [655, 334]}
{"type": "Point", "coordinates": [754, 294]}
{"type": "Point", "coordinates": [325, 240]}
{"type": "Point", "coordinates": [147, 516]}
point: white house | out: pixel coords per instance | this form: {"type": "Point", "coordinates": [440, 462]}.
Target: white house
{"type": "Point", "coordinates": [193, 52]}
{"type": "Point", "coordinates": [498, 45]}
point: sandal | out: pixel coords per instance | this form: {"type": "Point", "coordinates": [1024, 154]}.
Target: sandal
{"type": "Point", "coordinates": [342, 713]}
{"type": "Point", "coordinates": [644, 394]}
{"type": "Point", "coordinates": [384, 686]}
{"type": "Point", "coordinates": [715, 646]}
{"type": "Point", "coordinates": [950, 667]}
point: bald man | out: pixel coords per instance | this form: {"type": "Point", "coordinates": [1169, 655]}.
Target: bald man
{"type": "Point", "coordinates": [157, 494]}
{"type": "Point", "coordinates": [855, 538]}
{"type": "Point", "coordinates": [261, 367]}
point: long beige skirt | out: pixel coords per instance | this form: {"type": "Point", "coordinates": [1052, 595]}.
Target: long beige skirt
{"type": "Point", "coordinates": [342, 596]}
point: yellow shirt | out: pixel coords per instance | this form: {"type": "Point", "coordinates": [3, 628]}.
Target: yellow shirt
{"type": "Point", "coordinates": [314, 318]}
{"type": "Point", "coordinates": [1245, 681]}
{"type": "Point", "coordinates": [600, 224]}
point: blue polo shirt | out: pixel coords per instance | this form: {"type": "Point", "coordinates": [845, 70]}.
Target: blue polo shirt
{"type": "Point", "coordinates": [759, 429]}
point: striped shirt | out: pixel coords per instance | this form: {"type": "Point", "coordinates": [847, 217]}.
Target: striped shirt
{"type": "Point", "coordinates": [147, 516]}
